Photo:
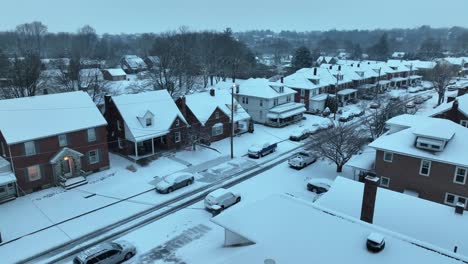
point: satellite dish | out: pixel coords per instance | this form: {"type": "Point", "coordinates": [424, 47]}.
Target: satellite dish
{"type": "Point", "coordinates": [269, 261]}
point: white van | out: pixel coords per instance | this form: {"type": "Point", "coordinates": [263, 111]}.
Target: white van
{"type": "Point", "coordinates": [221, 199]}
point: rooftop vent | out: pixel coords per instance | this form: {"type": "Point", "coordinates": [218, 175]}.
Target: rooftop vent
{"type": "Point", "coordinates": [375, 242]}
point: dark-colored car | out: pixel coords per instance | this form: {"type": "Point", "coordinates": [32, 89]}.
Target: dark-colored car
{"type": "Point", "coordinates": [174, 181]}
{"type": "Point", "coordinates": [319, 185]}
{"type": "Point", "coordinates": [374, 105]}
{"type": "Point", "coordinates": [367, 97]}
{"type": "Point", "coordinates": [299, 135]}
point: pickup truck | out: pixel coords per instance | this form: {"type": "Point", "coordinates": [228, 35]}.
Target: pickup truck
{"type": "Point", "coordinates": [258, 151]}
{"type": "Point", "coordinates": [302, 159]}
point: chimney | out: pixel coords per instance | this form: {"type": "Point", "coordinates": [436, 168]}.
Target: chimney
{"type": "Point", "coordinates": [459, 208]}
{"type": "Point", "coordinates": [331, 66]}
{"type": "Point", "coordinates": [181, 104]}
{"type": "Point", "coordinates": [368, 198]}
{"type": "Point", "coordinates": [282, 79]}
{"type": "Point", "coordinates": [315, 71]}
{"type": "Point", "coordinates": [107, 100]}
{"type": "Point", "coordinates": [450, 99]}
{"type": "Point", "coordinates": [339, 67]}
{"type": "Point", "coordinates": [455, 104]}
{"type": "Point", "coordinates": [212, 92]}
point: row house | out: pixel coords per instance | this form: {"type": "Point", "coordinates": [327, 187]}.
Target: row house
{"type": "Point", "coordinates": [425, 157]}
{"type": "Point", "coordinates": [209, 116]}
{"type": "Point", "coordinates": [326, 60]}
{"type": "Point", "coordinates": [132, 64]}
{"type": "Point", "coordinates": [269, 103]}
{"type": "Point", "coordinates": [142, 125]}
{"type": "Point", "coordinates": [346, 80]}
{"type": "Point", "coordinates": [405, 73]}
{"type": "Point", "coordinates": [456, 110]}
{"type": "Point", "coordinates": [52, 140]}
{"type": "Point", "coordinates": [460, 62]}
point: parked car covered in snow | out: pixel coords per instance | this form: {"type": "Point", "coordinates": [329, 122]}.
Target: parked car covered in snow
{"type": "Point", "coordinates": [258, 151]}
{"type": "Point", "coordinates": [367, 97]}
{"type": "Point", "coordinates": [174, 181]}
{"type": "Point", "coordinates": [319, 185]}
{"type": "Point", "coordinates": [302, 159]}
{"type": "Point", "coordinates": [106, 253]}
{"type": "Point", "coordinates": [410, 105]}
{"type": "Point", "coordinates": [220, 199]}
{"type": "Point", "coordinates": [298, 135]}
{"type": "Point", "coordinates": [374, 105]}
{"type": "Point", "coordinates": [418, 100]}
{"type": "Point", "coordinates": [414, 89]}
{"type": "Point", "coordinates": [345, 117]}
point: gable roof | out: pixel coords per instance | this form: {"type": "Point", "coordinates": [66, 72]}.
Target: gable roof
{"type": "Point", "coordinates": [203, 105]}
{"type": "Point", "coordinates": [135, 106]}
{"type": "Point", "coordinates": [263, 88]}
{"type": "Point", "coordinates": [29, 118]}
{"type": "Point", "coordinates": [414, 217]}
{"type": "Point", "coordinates": [134, 62]}
{"type": "Point", "coordinates": [302, 78]}
{"type": "Point", "coordinates": [444, 107]}
{"type": "Point", "coordinates": [289, 230]}
{"type": "Point", "coordinates": [116, 72]}
{"type": "Point", "coordinates": [403, 141]}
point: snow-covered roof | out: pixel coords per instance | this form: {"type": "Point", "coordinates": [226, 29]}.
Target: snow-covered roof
{"type": "Point", "coordinates": [363, 161]}
{"type": "Point", "coordinates": [398, 54]}
{"type": "Point", "coordinates": [116, 72]}
{"type": "Point", "coordinates": [403, 141]}
{"type": "Point", "coordinates": [203, 105]}
{"type": "Point", "coordinates": [134, 61]}
{"type": "Point", "coordinates": [305, 79]}
{"type": "Point", "coordinates": [6, 175]}
{"type": "Point", "coordinates": [288, 230]}
{"type": "Point", "coordinates": [456, 60]}
{"type": "Point", "coordinates": [263, 88]}
{"type": "Point", "coordinates": [29, 118]}
{"type": "Point", "coordinates": [417, 218]}
{"type": "Point", "coordinates": [133, 107]}
{"type": "Point", "coordinates": [462, 106]}
{"type": "Point", "coordinates": [346, 91]}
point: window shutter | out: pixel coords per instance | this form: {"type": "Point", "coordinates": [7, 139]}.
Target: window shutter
{"type": "Point", "coordinates": [36, 146]}
{"type": "Point", "coordinates": [26, 176]}
{"type": "Point", "coordinates": [99, 155]}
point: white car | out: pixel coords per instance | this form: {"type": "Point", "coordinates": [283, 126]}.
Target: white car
{"type": "Point", "coordinates": [302, 159]}
{"type": "Point", "coordinates": [220, 199]}
{"type": "Point", "coordinates": [319, 185]}
{"type": "Point", "coordinates": [174, 181]}
{"type": "Point", "coordinates": [414, 89]}
{"type": "Point", "coordinates": [410, 105]}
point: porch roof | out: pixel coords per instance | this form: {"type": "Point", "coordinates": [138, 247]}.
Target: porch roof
{"type": "Point", "coordinates": [65, 151]}
{"type": "Point", "coordinates": [286, 110]}
{"type": "Point", "coordinates": [7, 177]}
{"type": "Point", "coordinates": [346, 91]}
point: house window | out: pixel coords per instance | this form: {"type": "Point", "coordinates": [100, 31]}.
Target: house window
{"type": "Point", "coordinates": [93, 156]}
{"type": "Point", "coordinates": [275, 101]}
{"type": "Point", "coordinates": [177, 122]}
{"type": "Point", "coordinates": [120, 142]}
{"type": "Point", "coordinates": [3, 149]}
{"type": "Point", "coordinates": [464, 123]}
{"type": "Point", "coordinates": [177, 137]}
{"type": "Point", "coordinates": [245, 100]}
{"type": "Point", "coordinates": [29, 148]}
{"type": "Point", "coordinates": [149, 121]}
{"type": "Point", "coordinates": [453, 199]}
{"type": "Point", "coordinates": [34, 173]}
{"type": "Point", "coordinates": [91, 134]}
{"type": "Point", "coordinates": [63, 140]}
{"type": "Point", "coordinates": [217, 129]}
{"type": "Point", "coordinates": [302, 92]}
{"type": "Point", "coordinates": [281, 89]}
{"type": "Point", "coordinates": [384, 181]}
{"type": "Point", "coordinates": [261, 102]}
{"type": "Point", "coordinates": [119, 125]}
{"type": "Point", "coordinates": [163, 140]}
{"type": "Point", "coordinates": [388, 156]}
{"type": "Point", "coordinates": [460, 175]}
{"type": "Point", "coordinates": [217, 115]}
{"type": "Point", "coordinates": [425, 167]}
{"type": "Point", "coordinates": [288, 99]}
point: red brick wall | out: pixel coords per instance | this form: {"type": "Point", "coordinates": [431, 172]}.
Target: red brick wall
{"type": "Point", "coordinates": [112, 114]}
{"type": "Point", "coordinates": [453, 115]}
{"type": "Point", "coordinates": [403, 172]}
{"type": "Point", "coordinates": [298, 97]}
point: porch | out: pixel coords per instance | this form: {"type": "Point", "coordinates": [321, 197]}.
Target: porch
{"type": "Point", "coordinates": [399, 81]}
{"type": "Point", "coordinates": [8, 189]}
{"type": "Point", "coordinates": [67, 168]}
{"type": "Point", "coordinates": [346, 95]}
{"type": "Point", "coordinates": [147, 148]}
{"type": "Point", "coordinates": [285, 114]}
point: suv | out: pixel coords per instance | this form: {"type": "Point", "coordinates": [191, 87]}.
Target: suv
{"type": "Point", "coordinates": [174, 181]}
{"type": "Point", "coordinates": [220, 199]}
{"type": "Point", "coordinates": [106, 253]}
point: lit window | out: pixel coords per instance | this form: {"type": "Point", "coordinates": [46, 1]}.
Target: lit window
{"type": "Point", "coordinates": [217, 129]}
{"type": "Point", "coordinates": [62, 140]}
{"type": "Point", "coordinates": [34, 173]}
{"type": "Point", "coordinates": [93, 156]}
{"type": "Point", "coordinates": [460, 175]}
{"type": "Point", "coordinates": [425, 167]}
{"type": "Point", "coordinates": [388, 156]}
{"type": "Point", "coordinates": [177, 137]}
{"type": "Point", "coordinates": [29, 148]}
{"type": "Point", "coordinates": [384, 181]}
{"type": "Point", "coordinates": [91, 134]}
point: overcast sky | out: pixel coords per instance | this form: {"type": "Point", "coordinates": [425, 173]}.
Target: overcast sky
{"type": "Point", "coordinates": [137, 16]}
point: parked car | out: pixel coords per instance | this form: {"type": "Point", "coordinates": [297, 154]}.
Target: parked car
{"type": "Point", "coordinates": [106, 253]}
{"type": "Point", "coordinates": [358, 112]}
{"type": "Point", "coordinates": [302, 159]}
{"type": "Point", "coordinates": [452, 88]}
{"type": "Point", "coordinates": [220, 199]}
{"type": "Point", "coordinates": [414, 89]}
{"type": "Point", "coordinates": [410, 105]}
{"type": "Point", "coordinates": [345, 117]}
{"type": "Point", "coordinates": [174, 181]}
{"type": "Point", "coordinates": [375, 242]}
{"type": "Point", "coordinates": [394, 97]}
{"type": "Point", "coordinates": [367, 97]}
{"type": "Point", "coordinates": [298, 135]}
{"type": "Point", "coordinates": [326, 124]}
{"type": "Point", "coordinates": [314, 129]}
{"type": "Point", "coordinates": [258, 151]}
{"type": "Point", "coordinates": [374, 105]}
{"type": "Point", "coordinates": [427, 97]}
{"type": "Point", "coordinates": [418, 100]}
{"type": "Point", "coordinates": [319, 185]}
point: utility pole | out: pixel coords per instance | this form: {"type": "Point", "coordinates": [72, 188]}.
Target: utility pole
{"type": "Point", "coordinates": [409, 74]}
{"type": "Point", "coordinates": [336, 91]}
{"type": "Point", "coordinates": [378, 84]}
{"type": "Point", "coordinates": [232, 117]}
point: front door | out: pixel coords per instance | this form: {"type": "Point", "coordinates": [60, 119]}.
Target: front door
{"type": "Point", "coordinates": [67, 165]}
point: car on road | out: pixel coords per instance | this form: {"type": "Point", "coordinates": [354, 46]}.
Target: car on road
{"type": "Point", "coordinates": [367, 97]}
{"type": "Point", "coordinates": [357, 112]}
{"type": "Point", "coordinates": [414, 89]}
{"type": "Point", "coordinates": [174, 181]}
{"type": "Point", "coordinates": [419, 100]}
{"type": "Point", "coordinates": [345, 117]}
{"type": "Point", "coordinates": [106, 253]}
{"type": "Point", "coordinates": [314, 129]}
{"type": "Point", "coordinates": [220, 199]}
{"type": "Point", "coordinates": [319, 185]}
{"type": "Point", "coordinates": [410, 105]}
{"type": "Point", "coordinates": [258, 151]}
{"type": "Point", "coordinates": [452, 88]}
{"type": "Point", "coordinates": [298, 135]}
{"type": "Point", "coordinates": [394, 97]}
{"type": "Point", "coordinates": [374, 105]}
{"type": "Point", "coordinates": [302, 159]}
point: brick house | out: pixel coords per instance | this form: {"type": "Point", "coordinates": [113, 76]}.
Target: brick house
{"type": "Point", "coordinates": [424, 156]}
{"type": "Point", "coordinates": [455, 110]}
{"type": "Point", "coordinates": [114, 74]}
{"type": "Point", "coordinates": [209, 115]}
{"type": "Point", "coordinates": [52, 140]}
{"type": "Point", "coordinates": [142, 125]}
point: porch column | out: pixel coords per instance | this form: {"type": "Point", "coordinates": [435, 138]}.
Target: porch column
{"type": "Point", "coordinates": [152, 145]}
{"type": "Point", "coordinates": [136, 150]}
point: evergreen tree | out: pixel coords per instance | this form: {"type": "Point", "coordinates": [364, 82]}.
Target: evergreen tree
{"type": "Point", "coordinates": [380, 49]}
{"type": "Point", "coordinates": [4, 64]}
{"type": "Point", "coordinates": [302, 58]}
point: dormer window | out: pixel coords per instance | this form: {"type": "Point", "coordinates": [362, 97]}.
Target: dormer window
{"type": "Point", "coordinates": [430, 144]}
{"type": "Point", "coordinates": [149, 121]}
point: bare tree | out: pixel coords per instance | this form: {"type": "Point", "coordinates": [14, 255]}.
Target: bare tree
{"type": "Point", "coordinates": [376, 122]}
{"type": "Point", "coordinates": [24, 75]}
{"type": "Point", "coordinates": [440, 76]}
{"type": "Point", "coordinates": [30, 37]}
{"type": "Point", "coordinates": [340, 143]}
